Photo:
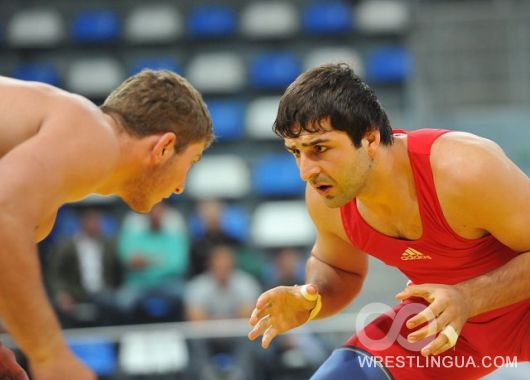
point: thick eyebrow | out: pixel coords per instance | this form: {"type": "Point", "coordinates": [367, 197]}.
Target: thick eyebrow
{"type": "Point", "coordinates": [314, 142]}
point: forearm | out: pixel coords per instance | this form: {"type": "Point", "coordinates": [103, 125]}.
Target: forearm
{"type": "Point", "coordinates": [501, 287]}
{"type": "Point", "coordinates": [24, 305]}
{"type": "Point", "coordinates": [336, 287]}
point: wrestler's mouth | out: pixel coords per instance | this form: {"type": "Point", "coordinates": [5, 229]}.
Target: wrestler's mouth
{"type": "Point", "coordinates": [323, 189]}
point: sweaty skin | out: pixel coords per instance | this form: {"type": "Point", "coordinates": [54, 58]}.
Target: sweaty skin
{"type": "Point", "coordinates": [480, 191]}
{"type": "Point", "coordinates": [56, 147]}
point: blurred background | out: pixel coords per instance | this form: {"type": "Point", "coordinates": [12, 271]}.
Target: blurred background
{"type": "Point", "coordinates": [166, 295]}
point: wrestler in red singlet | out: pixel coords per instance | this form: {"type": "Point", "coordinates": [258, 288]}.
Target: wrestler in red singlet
{"type": "Point", "coordinates": [440, 256]}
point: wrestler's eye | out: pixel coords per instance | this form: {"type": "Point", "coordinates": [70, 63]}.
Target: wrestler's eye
{"type": "Point", "coordinates": [294, 152]}
{"type": "Point", "coordinates": [320, 148]}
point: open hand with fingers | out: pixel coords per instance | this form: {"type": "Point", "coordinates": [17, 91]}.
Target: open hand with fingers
{"type": "Point", "coordinates": [279, 310]}
{"type": "Point", "coordinates": [446, 315]}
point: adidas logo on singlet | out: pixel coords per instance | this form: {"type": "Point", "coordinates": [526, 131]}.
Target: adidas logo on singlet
{"type": "Point", "coordinates": [412, 254]}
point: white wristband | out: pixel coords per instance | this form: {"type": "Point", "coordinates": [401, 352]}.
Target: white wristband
{"type": "Point", "coordinates": [312, 297]}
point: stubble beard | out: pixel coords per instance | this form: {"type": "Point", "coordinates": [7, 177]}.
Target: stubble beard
{"type": "Point", "coordinates": [137, 196]}
{"type": "Point", "coordinates": [351, 188]}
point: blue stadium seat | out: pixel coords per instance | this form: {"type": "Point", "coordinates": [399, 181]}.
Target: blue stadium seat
{"type": "Point", "coordinates": [217, 72]}
{"type": "Point", "coordinates": [388, 65]}
{"type": "Point", "coordinates": [156, 306]}
{"type": "Point", "coordinates": [94, 77]}
{"type": "Point", "coordinates": [153, 354]}
{"type": "Point", "coordinates": [261, 113]}
{"type": "Point", "coordinates": [334, 54]}
{"type": "Point", "coordinates": [274, 70]}
{"type": "Point", "coordinates": [327, 17]}
{"type": "Point", "coordinates": [155, 63]}
{"type": "Point", "coordinates": [236, 222]}
{"type": "Point", "coordinates": [228, 118]}
{"type": "Point", "coordinates": [153, 23]}
{"type": "Point", "coordinates": [98, 354]}
{"type": "Point", "coordinates": [32, 27]}
{"type": "Point", "coordinates": [277, 224]}
{"type": "Point", "coordinates": [383, 16]}
{"type": "Point", "coordinates": [39, 72]}
{"type": "Point", "coordinates": [96, 25]}
{"type": "Point", "coordinates": [212, 21]}
{"type": "Point", "coordinates": [269, 19]}
{"type": "Point", "coordinates": [277, 175]}
{"type": "Point", "coordinates": [220, 176]}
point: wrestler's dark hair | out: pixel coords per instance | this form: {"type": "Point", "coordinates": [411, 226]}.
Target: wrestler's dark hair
{"type": "Point", "coordinates": [152, 102]}
{"type": "Point", "coordinates": [331, 91]}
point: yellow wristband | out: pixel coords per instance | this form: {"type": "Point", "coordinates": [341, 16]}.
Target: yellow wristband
{"type": "Point", "coordinates": [312, 297]}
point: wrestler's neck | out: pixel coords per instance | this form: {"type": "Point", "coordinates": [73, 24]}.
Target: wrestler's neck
{"type": "Point", "coordinates": [130, 160]}
{"type": "Point", "coordinates": [390, 182]}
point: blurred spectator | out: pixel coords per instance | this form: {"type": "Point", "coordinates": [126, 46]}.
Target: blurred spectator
{"type": "Point", "coordinates": [287, 268]}
{"type": "Point", "coordinates": [83, 274]}
{"type": "Point", "coordinates": [154, 253]}
{"type": "Point", "coordinates": [211, 234]}
{"type": "Point", "coordinates": [220, 293]}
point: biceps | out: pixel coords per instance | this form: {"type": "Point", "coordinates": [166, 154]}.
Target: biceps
{"type": "Point", "coordinates": [513, 231]}
{"type": "Point", "coordinates": [508, 218]}
{"type": "Point", "coordinates": [340, 254]}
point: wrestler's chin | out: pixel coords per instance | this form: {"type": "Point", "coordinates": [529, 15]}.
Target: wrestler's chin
{"type": "Point", "coordinates": [142, 206]}
{"type": "Point", "coordinates": [334, 201]}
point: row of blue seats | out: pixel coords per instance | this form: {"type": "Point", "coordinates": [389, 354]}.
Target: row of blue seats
{"type": "Point", "coordinates": [164, 22]}
{"type": "Point", "coordinates": [265, 70]}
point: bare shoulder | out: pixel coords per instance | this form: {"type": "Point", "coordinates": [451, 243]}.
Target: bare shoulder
{"type": "Point", "coordinates": [35, 95]}
{"type": "Point", "coordinates": [67, 131]}
{"type": "Point", "coordinates": [65, 150]}
{"type": "Point", "coordinates": [83, 133]}
{"type": "Point", "coordinates": [29, 106]}
{"type": "Point", "coordinates": [462, 160]}
{"type": "Point", "coordinates": [477, 184]}
{"type": "Point", "coordinates": [463, 151]}
{"type": "Point", "coordinates": [44, 99]}
{"type": "Point", "coordinates": [326, 219]}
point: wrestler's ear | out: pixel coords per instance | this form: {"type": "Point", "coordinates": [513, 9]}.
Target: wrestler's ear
{"type": "Point", "coordinates": [163, 147]}
{"type": "Point", "coordinates": [371, 140]}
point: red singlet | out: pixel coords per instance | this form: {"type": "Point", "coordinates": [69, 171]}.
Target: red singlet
{"type": "Point", "coordinates": [441, 256]}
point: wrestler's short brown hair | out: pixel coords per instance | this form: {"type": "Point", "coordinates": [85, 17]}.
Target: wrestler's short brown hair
{"type": "Point", "coordinates": [331, 91]}
{"type": "Point", "coordinates": [152, 102]}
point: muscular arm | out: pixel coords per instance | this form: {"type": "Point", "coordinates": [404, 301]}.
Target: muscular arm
{"type": "Point", "coordinates": [23, 304]}
{"type": "Point", "coordinates": [498, 202]}
{"type": "Point", "coordinates": [335, 266]}
{"type": "Point", "coordinates": [336, 269]}
{"type": "Point", "coordinates": [501, 287]}
{"type": "Point", "coordinates": [38, 175]}
{"type": "Point", "coordinates": [491, 195]}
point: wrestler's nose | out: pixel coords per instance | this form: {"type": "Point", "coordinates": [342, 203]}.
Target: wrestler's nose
{"type": "Point", "coordinates": [308, 168]}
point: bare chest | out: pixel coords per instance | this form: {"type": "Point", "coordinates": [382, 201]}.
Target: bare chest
{"type": "Point", "coordinates": [397, 224]}
{"type": "Point", "coordinates": [406, 222]}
